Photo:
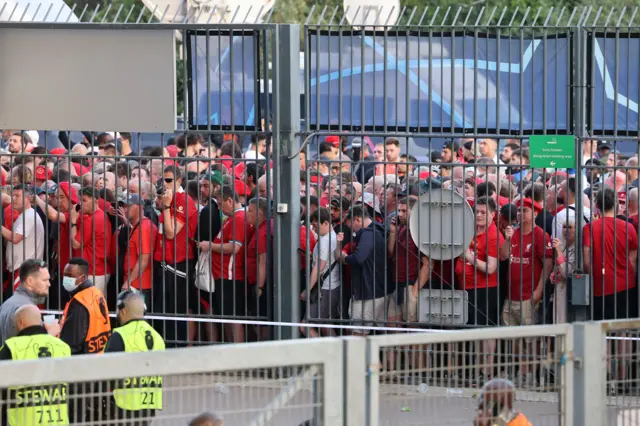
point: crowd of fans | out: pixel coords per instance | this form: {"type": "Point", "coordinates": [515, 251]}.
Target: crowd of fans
{"type": "Point", "coordinates": [190, 226]}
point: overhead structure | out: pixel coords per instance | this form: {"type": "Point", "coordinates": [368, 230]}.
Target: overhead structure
{"type": "Point", "coordinates": [370, 13]}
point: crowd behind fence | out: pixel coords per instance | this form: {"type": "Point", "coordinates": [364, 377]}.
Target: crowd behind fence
{"type": "Point", "coordinates": [351, 381]}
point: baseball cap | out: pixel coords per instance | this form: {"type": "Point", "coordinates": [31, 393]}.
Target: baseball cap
{"type": "Point", "coordinates": [58, 151]}
{"type": "Point", "coordinates": [528, 202]}
{"type": "Point", "coordinates": [333, 140]}
{"type": "Point", "coordinates": [50, 187]}
{"type": "Point", "coordinates": [116, 143]}
{"type": "Point", "coordinates": [132, 199]}
{"type": "Point", "coordinates": [371, 201]}
{"type": "Point", "coordinates": [43, 173]}
{"type": "Point", "coordinates": [452, 145]}
{"type": "Point", "coordinates": [214, 177]}
{"type": "Point", "coordinates": [604, 144]}
{"type": "Point", "coordinates": [69, 191]}
{"type": "Point", "coordinates": [340, 202]}
{"type": "Point", "coordinates": [37, 190]}
{"type": "Point", "coordinates": [241, 188]}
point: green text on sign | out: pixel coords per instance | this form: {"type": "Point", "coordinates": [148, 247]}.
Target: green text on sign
{"type": "Point", "coordinates": [552, 151]}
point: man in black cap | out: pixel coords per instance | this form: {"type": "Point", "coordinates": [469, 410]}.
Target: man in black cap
{"type": "Point", "coordinates": [604, 148]}
{"type": "Point", "coordinates": [450, 151]}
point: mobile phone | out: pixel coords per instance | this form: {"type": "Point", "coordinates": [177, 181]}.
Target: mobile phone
{"type": "Point", "coordinates": [78, 208]}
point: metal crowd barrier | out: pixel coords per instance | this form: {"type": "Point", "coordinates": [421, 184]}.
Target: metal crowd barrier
{"type": "Point", "coordinates": [379, 380]}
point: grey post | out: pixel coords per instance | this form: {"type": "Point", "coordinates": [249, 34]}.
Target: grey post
{"type": "Point", "coordinates": [286, 131]}
{"type": "Point", "coordinates": [579, 307]}
{"type": "Point", "coordinates": [590, 366]}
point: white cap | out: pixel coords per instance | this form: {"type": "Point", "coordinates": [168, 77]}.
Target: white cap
{"type": "Point", "coordinates": [34, 135]}
{"type": "Point", "coordinates": [114, 135]}
{"type": "Point", "coordinates": [371, 201]}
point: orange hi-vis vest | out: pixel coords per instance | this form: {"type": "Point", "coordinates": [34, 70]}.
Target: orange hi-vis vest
{"type": "Point", "coordinates": [99, 325]}
{"type": "Point", "coordinates": [520, 420]}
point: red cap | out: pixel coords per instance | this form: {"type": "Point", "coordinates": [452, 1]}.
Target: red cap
{"type": "Point", "coordinates": [315, 179]}
{"type": "Point", "coordinates": [69, 191]}
{"type": "Point", "coordinates": [424, 175]}
{"type": "Point", "coordinates": [80, 169]}
{"type": "Point", "coordinates": [333, 140]}
{"type": "Point", "coordinates": [238, 170]}
{"type": "Point", "coordinates": [172, 150]}
{"type": "Point", "coordinates": [241, 188]}
{"type": "Point", "coordinates": [58, 151]}
{"type": "Point", "coordinates": [42, 173]}
{"type": "Point", "coordinates": [528, 202]}
{"type": "Point", "coordinates": [227, 161]}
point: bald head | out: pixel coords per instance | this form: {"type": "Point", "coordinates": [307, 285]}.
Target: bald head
{"type": "Point", "coordinates": [27, 316]}
{"type": "Point", "coordinates": [133, 307]}
{"type": "Point", "coordinates": [207, 419]}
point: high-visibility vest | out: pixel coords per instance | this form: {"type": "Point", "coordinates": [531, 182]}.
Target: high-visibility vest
{"type": "Point", "coordinates": [139, 393]}
{"type": "Point", "coordinates": [38, 405]}
{"type": "Point", "coordinates": [520, 420]}
{"type": "Point", "coordinates": [99, 325]}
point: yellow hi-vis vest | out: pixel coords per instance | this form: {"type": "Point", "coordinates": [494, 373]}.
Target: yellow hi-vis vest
{"type": "Point", "coordinates": [38, 405]}
{"type": "Point", "coordinates": [139, 393]}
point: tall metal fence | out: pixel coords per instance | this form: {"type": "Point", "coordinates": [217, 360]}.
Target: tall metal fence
{"type": "Point", "coordinates": [409, 124]}
{"type": "Point", "coordinates": [348, 381]}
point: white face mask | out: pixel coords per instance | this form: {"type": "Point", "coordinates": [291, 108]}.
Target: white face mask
{"type": "Point", "coordinates": [69, 283]}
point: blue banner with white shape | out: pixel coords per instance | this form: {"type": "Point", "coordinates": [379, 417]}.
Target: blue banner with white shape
{"type": "Point", "coordinates": [223, 72]}
{"type": "Point", "coordinates": [614, 72]}
{"type": "Point", "coordinates": [462, 81]}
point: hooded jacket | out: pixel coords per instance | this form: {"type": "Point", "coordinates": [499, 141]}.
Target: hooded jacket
{"type": "Point", "coordinates": [368, 273]}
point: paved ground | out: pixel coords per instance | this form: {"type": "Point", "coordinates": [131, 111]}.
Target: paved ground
{"type": "Point", "coordinates": [241, 400]}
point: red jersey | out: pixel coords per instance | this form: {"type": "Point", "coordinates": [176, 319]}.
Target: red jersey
{"type": "Point", "coordinates": [141, 241]}
{"type": "Point", "coordinates": [303, 245]}
{"type": "Point", "coordinates": [485, 245]}
{"type": "Point", "coordinates": [63, 246]}
{"type": "Point", "coordinates": [94, 233]}
{"type": "Point", "coordinates": [407, 258]}
{"type": "Point", "coordinates": [526, 261]}
{"type": "Point", "coordinates": [610, 240]}
{"type": "Point", "coordinates": [257, 246]}
{"type": "Point", "coordinates": [185, 211]}
{"type": "Point", "coordinates": [443, 270]}
{"type": "Point", "coordinates": [634, 221]}
{"type": "Point", "coordinates": [10, 216]}
{"type": "Point", "coordinates": [231, 266]}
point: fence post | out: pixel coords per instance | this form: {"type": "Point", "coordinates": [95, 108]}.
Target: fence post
{"type": "Point", "coordinates": [579, 308]}
{"type": "Point", "coordinates": [590, 366]}
{"type": "Point", "coordinates": [355, 388]}
{"type": "Point", "coordinates": [286, 122]}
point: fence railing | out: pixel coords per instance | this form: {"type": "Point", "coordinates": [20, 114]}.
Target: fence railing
{"type": "Point", "coordinates": [393, 379]}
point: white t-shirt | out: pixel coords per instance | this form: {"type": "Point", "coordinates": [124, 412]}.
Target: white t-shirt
{"type": "Point", "coordinates": [253, 155]}
{"type": "Point", "coordinates": [325, 250]}
{"type": "Point", "coordinates": [560, 219]}
{"type": "Point", "coordinates": [30, 226]}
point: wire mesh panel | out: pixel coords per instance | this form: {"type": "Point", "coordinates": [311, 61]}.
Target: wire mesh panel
{"type": "Point", "coordinates": [622, 372]}
{"type": "Point", "coordinates": [440, 376]}
{"type": "Point", "coordinates": [176, 386]}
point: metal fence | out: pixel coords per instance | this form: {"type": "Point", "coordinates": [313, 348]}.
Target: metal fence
{"type": "Point", "coordinates": [393, 379]}
{"type": "Point", "coordinates": [374, 116]}
{"type": "Point", "coordinates": [231, 382]}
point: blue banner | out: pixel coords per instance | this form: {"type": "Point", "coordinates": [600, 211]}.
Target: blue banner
{"type": "Point", "coordinates": [614, 72]}
{"type": "Point", "coordinates": [223, 73]}
{"type": "Point", "coordinates": [411, 80]}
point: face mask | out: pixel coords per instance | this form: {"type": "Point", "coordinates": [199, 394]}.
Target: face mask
{"type": "Point", "coordinates": [69, 283]}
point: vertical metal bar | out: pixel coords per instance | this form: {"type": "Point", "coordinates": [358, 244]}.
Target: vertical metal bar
{"type": "Point", "coordinates": [286, 132]}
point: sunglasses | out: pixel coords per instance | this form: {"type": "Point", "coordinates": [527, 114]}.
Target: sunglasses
{"type": "Point", "coordinates": [168, 180]}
